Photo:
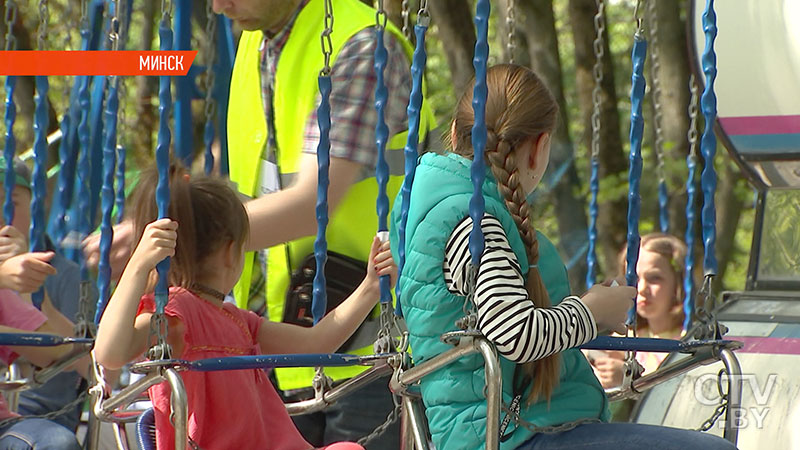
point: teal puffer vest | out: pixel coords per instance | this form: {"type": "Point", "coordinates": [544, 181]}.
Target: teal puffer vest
{"type": "Point", "coordinates": [453, 396]}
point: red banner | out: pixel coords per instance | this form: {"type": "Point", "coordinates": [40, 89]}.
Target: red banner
{"type": "Point", "coordinates": [129, 62]}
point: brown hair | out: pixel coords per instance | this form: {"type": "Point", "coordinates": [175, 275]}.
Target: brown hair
{"type": "Point", "coordinates": [673, 250]}
{"type": "Point", "coordinates": [208, 212]}
{"type": "Point", "coordinates": [519, 107]}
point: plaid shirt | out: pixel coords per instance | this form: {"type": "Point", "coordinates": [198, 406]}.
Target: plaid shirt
{"type": "Point", "coordinates": [353, 114]}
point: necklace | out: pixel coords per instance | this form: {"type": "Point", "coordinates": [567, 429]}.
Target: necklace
{"type": "Point", "coordinates": [209, 291]}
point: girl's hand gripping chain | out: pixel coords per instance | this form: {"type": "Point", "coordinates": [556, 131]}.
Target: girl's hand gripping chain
{"type": "Point", "coordinates": [158, 242]}
{"type": "Point", "coordinates": [609, 306]}
{"type": "Point", "coordinates": [380, 263]}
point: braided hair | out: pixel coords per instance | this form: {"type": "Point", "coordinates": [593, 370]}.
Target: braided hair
{"type": "Point", "coordinates": [519, 109]}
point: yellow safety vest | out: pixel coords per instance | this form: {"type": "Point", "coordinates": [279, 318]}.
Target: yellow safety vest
{"type": "Point", "coordinates": [295, 98]}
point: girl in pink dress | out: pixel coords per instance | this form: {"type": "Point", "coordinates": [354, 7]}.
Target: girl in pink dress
{"type": "Point", "coordinates": [205, 236]}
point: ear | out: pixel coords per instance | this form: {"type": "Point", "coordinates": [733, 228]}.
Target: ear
{"type": "Point", "coordinates": [229, 254]}
{"type": "Point", "coordinates": [539, 148]}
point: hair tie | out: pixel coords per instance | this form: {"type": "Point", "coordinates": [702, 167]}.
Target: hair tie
{"type": "Point", "coordinates": [533, 266]}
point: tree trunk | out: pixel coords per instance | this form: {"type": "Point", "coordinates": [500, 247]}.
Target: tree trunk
{"type": "Point", "coordinates": [538, 24]}
{"type": "Point", "coordinates": [454, 27]}
{"type": "Point", "coordinates": [729, 211]}
{"type": "Point", "coordinates": [611, 221]}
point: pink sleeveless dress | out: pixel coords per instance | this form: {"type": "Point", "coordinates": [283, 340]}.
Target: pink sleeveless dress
{"type": "Point", "coordinates": [228, 409]}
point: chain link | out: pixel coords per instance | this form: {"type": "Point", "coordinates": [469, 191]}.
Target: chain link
{"type": "Point", "coordinates": [166, 8]}
{"type": "Point", "coordinates": [693, 113]}
{"type": "Point", "coordinates": [721, 408]}
{"type": "Point", "coordinates": [519, 421]}
{"type": "Point", "coordinates": [380, 429]}
{"type": "Point", "coordinates": [10, 19]}
{"type": "Point", "coordinates": [325, 38]}
{"type": "Point", "coordinates": [405, 12]}
{"type": "Point", "coordinates": [43, 23]}
{"type": "Point", "coordinates": [597, 74]}
{"type": "Point", "coordinates": [380, 15]}
{"type": "Point", "coordinates": [84, 25]}
{"type": "Point", "coordinates": [158, 329]}
{"type": "Point", "coordinates": [637, 18]}
{"type": "Point", "coordinates": [211, 57]}
{"type": "Point", "coordinates": [423, 17]}
{"type": "Point", "coordinates": [655, 68]}
{"type": "Point", "coordinates": [511, 27]}
{"type": "Point", "coordinates": [84, 325]}
{"type": "Point", "coordinates": [69, 407]}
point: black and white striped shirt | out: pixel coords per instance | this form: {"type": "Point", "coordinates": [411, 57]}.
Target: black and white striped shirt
{"type": "Point", "coordinates": [506, 316]}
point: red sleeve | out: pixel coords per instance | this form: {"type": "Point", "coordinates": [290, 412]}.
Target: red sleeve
{"type": "Point", "coordinates": [147, 304]}
{"type": "Point", "coordinates": [253, 322]}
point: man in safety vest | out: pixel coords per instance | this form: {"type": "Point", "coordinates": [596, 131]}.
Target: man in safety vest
{"type": "Point", "coordinates": [273, 137]}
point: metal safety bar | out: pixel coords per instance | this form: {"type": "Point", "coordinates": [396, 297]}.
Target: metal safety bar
{"type": "Point", "coordinates": [337, 392]}
{"type": "Point", "coordinates": [706, 354]}
{"type": "Point", "coordinates": [467, 344]}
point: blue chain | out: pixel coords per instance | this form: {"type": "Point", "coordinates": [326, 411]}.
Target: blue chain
{"type": "Point", "coordinates": [319, 300]}
{"type": "Point", "coordinates": [591, 253]}
{"type": "Point", "coordinates": [119, 204]}
{"type": "Point", "coordinates": [106, 229]}
{"type": "Point", "coordinates": [162, 159]}
{"type": "Point", "coordinates": [708, 142]}
{"type": "Point", "coordinates": [381, 136]}
{"type": "Point", "coordinates": [39, 182]}
{"type": "Point", "coordinates": [410, 151]}
{"type": "Point", "coordinates": [10, 150]}
{"type": "Point", "coordinates": [635, 171]}
{"type": "Point", "coordinates": [480, 92]}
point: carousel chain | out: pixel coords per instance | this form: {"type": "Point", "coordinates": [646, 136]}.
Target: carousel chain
{"type": "Point", "coordinates": [166, 8]}
{"type": "Point", "coordinates": [84, 25]}
{"type": "Point", "coordinates": [43, 23]}
{"type": "Point", "coordinates": [10, 18]}
{"type": "Point", "coordinates": [655, 68]}
{"type": "Point", "coordinates": [211, 52]}
{"type": "Point", "coordinates": [637, 18]}
{"type": "Point", "coordinates": [597, 74]}
{"type": "Point", "coordinates": [325, 38]}
{"type": "Point", "coordinates": [693, 113]}
{"type": "Point", "coordinates": [380, 16]}
{"type": "Point", "coordinates": [68, 408]}
{"type": "Point", "coordinates": [422, 14]}
{"type": "Point", "coordinates": [721, 408]}
{"type": "Point", "coordinates": [511, 26]}
{"type": "Point", "coordinates": [405, 11]}
{"type": "Point", "coordinates": [390, 419]}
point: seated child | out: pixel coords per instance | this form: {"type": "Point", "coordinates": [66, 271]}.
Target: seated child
{"type": "Point", "coordinates": [204, 236]}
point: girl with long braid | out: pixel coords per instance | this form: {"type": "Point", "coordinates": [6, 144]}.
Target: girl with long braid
{"type": "Point", "coordinates": [546, 380]}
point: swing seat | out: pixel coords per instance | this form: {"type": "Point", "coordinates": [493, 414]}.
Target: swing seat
{"type": "Point", "coordinates": [146, 430]}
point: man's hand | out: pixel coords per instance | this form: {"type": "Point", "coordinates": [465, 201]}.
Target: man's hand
{"type": "Point", "coordinates": [26, 272]}
{"type": "Point", "coordinates": [120, 248]}
{"type": "Point", "coordinates": [12, 243]}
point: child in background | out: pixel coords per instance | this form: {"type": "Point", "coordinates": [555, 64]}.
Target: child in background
{"type": "Point", "coordinates": [659, 303]}
{"type": "Point", "coordinates": [204, 236]}
{"type": "Point", "coordinates": [519, 272]}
